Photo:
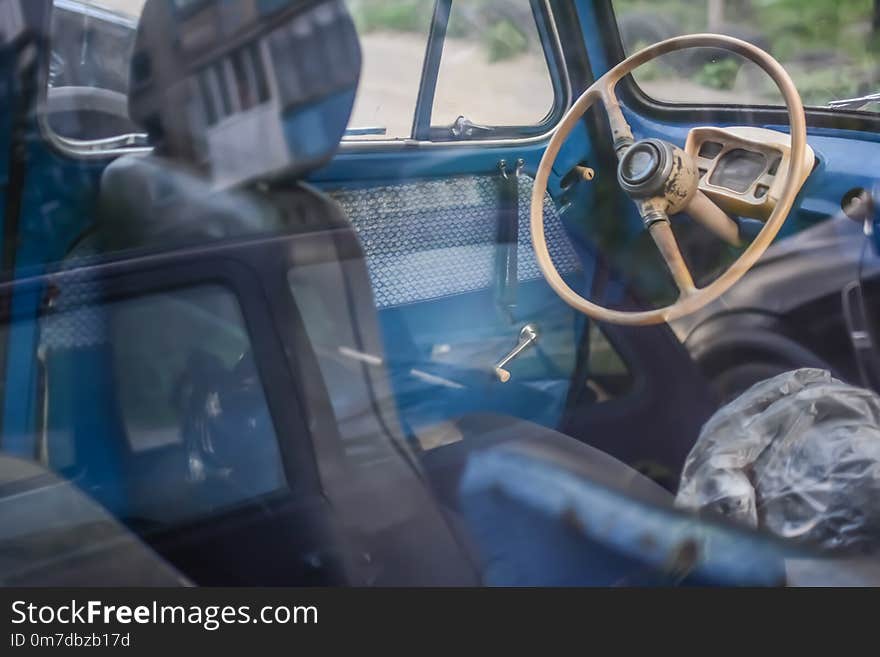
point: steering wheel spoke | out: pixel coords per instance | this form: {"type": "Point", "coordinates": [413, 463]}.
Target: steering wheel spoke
{"type": "Point", "coordinates": [621, 132]}
{"type": "Point", "coordinates": [704, 211]}
{"type": "Point", "coordinates": [660, 229]}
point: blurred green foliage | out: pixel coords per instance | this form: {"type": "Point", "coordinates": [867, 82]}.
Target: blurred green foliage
{"type": "Point", "coordinates": [491, 22]}
{"type": "Point", "coordinates": [504, 40]}
{"type": "Point", "coordinates": [394, 15]}
{"type": "Point", "coordinates": [829, 46]}
{"type": "Point", "coordinates": [719, 74]}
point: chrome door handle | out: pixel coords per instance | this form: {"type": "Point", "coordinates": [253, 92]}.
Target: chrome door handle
{"type": "Point", "coordinates": [527, 337]}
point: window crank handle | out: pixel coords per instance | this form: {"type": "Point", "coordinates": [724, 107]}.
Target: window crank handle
{"type": "Point", "coordinates": [527, 337]}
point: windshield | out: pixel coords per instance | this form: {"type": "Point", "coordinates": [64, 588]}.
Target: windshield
{"type": "Point", "coordinates": [828, 47]}
{"type": "Point", "coordinates": [342, 293]}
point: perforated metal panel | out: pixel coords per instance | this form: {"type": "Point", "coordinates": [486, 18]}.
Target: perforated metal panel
{"type": "Point", "coordinates": [422, 240]}
{"type": "Point", "coordinates": [429, 239]}
{"type": "Point", "coordinates": [75, 318]}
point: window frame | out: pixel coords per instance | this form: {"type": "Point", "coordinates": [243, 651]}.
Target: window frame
{"type": "Point", "coordinates": [94, 149]}
{"type": "Point", "coordinates": [424, 129]}
{"type": "Point", "coordinates": [633, 97]}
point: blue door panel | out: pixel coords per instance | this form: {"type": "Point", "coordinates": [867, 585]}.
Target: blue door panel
{"type": "Point", "coordinates": [429, 245]}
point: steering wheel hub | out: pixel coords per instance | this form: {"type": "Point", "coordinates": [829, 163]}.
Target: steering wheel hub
{"type": "Point", "coordinates": [656, 169]}
{"type": "Point", "coordinates": [642, 168]}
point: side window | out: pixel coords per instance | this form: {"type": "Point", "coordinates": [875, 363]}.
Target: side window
{"type": "Point", "coordinates": [393, 35]}
{"type": "Point", "coordinates": [829, 47]}
{"type": "Point", "coordinates": [493, 71]}
{"type": "Point", "coordinates": [492, 50]}
{"type": "Point", "coordinates": [162, 422]}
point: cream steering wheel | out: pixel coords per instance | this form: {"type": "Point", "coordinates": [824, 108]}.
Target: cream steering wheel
{"type": "Point", "coordinates": [662, 179]}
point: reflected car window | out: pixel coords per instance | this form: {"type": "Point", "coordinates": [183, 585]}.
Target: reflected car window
{"type": "Point", "coordinates": [161, 422]}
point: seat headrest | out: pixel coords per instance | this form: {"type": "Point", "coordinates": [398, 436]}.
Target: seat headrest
{"type": "Point", "coordinates": [248, 89]}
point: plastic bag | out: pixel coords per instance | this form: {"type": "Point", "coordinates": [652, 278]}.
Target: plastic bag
{"type": "Point", "coordinates": [797, 455]}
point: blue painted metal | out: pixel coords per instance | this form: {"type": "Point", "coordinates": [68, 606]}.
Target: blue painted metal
{"type": "Point", "coordinates": [312, 129]}
{"type": "Point", "coordinates": [430, 246]}
{"type": "Point", "coordinates": [541, 522]}
{"type": "Point", "coordinates": [593, 30]}
{"type": "Point", "coordinates": [464, 319]}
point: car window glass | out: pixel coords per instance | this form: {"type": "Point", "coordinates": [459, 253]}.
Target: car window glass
{"type": "Point", "coordinates": [493, 70]}
{"type": "Point", "coordinates": [393, 35]}
{"type": "Point", "coordinates": [92, 42]}
{"type": "Point", "coordinates": [492, 50]}
{"type": "Point", "coordinates": [829, 47]}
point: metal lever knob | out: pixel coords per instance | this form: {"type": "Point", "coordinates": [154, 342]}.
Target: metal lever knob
{"type": "Point", "coordinates": [527, 337]}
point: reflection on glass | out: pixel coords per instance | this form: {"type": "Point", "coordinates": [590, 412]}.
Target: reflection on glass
{"type": "Point", "coordinates": [493, 69]}
{"type": "Point", "coordinates": [393, 36]}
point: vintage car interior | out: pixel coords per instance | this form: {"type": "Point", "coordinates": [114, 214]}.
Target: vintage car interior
{"type": "Point", "coordinates": [278, 337]}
